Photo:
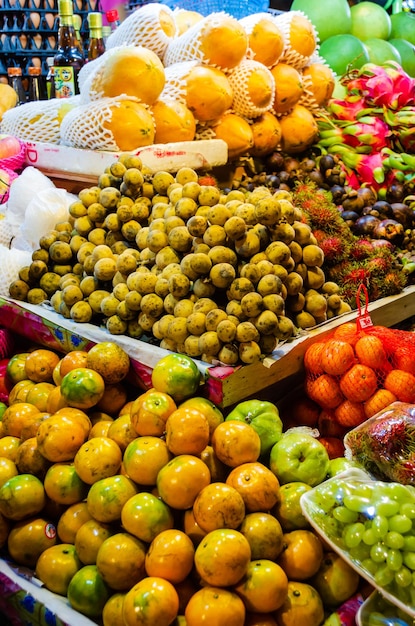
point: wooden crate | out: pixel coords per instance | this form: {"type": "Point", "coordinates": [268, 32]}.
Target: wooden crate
{"type": "Point", "coordinates": [225, 386]}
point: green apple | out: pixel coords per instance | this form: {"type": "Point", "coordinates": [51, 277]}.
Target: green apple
{"type": "Point", "coordinates": [299, 457]}
{"type": "Point", "coordinates": [264, 418]}
{"type": "Point", "coordinates": [288, 510]}
{"type": "Point", "coordinates": [341, 464]}
{"type": "Point", "coordinates": [336, 580]}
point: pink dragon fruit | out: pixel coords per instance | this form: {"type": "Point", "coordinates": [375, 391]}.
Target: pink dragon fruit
{"type": "Point", "coordinates": [387, 85]}
{"type": "Point", "coordinates": [369, 130]}
{"type": "Point", "coordinates": [348, 108]}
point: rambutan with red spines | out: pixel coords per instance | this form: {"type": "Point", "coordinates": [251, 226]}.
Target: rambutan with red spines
{"type": "Point", "coordinates": [334, 248]}
{"type": "Point", "coordinates": [361, 249]}
{"type": "Point", "coordinates": [207, 180]}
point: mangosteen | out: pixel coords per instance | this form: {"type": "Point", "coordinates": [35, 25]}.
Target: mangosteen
{"type": "Point", "coordinates": [316, 177]}
{"type": "Point", "coordinates": [403, 214]}
{"type": "Point", "coordinates": [353, 202]}
{"type": "Point", "coordinates": [337, 193]}
{"type": "Point", "coordinates": [326, 162]}
{"type": "Point", "coordinates": [307, 164]}
{"type": "Point", "coordinates": [383, 209]}
{"type": "Point", "coordinates": [291, 164]}
{"type": "Point", "coordinates": [368, 195]}
{"type": "Point", "coordinates": [275, 161]}
{"type": "Point", "coordinates": [391, 230]}
{"type": "Point", "coordinates": [365, 225]}
{"type": "Point", "coordinates": [395, 193]}
{"type": "Point", "coordinates": [349, 216]}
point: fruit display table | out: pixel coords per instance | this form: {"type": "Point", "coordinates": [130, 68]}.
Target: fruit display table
{"type": "Point", "coordinates": [223, 385]}
{"type": "Point", "coordinates": [24, 601]}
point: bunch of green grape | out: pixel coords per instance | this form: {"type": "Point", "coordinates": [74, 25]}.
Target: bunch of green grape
{"type": "Point", "coordinates": [373, 523]}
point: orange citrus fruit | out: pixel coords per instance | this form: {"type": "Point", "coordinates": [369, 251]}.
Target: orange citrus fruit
{"type": "Point", "coordinates": [110, 360]}
{"type": "Point", "coordinates": [181, 479]}
{"type": "Point", "coordinates": [63, 485]}
{"type": "Point", "coordinates": [71, 520]}
{"type": "Point", "coordinates": [28, 538]}
{"type": "Point", "coordinates": [144, 457]}
{"type": "Point", "coordinates": [264, 534]}
{"type": "Point", "coordinates": [82, 387]}
{"type": "Point", "coordinates": [222, 557]}
{"type": "Point", "coordinates": [151, 601]}
{"type": "Point", "coordinates": [107, 496]}
{"type": "Point", "coordinates": [218, 505]}
{"type": "Point", "coordinates": [120, 561]}
{"type": "Point", "coordinates": [177, 375]}
{"type": "Point", "coordinates": [87, 591]}
{"type": "Point", "coordinates": [301, 555]}
{"type": "Point", "coordinates": [150, 411]}
{"type": "Point", "coordinates": [56, 566]}
{"type": "Point", "coordinates": [97, 458]}
{"type": "Point", "coordinates": [21, 497]}
{"type": "Point", "coordinates": [187, 431]}
{"type": "Point", "coordinates": [39, 365]}
{"type": "Point", "coordinates": [213, 605]}
{"type": "Point", "coordinates": [235, 442]}
{"type": "Point", "coordinates": [264, 587]}
{"type": "Point", "coordinates": [257, 485]}
{"type": "Point", "coordinates": [170, 556]}
{"type": "Point", "coordinates": [145, 516]}
{"type": "Point", "coordinates": [89, 538]}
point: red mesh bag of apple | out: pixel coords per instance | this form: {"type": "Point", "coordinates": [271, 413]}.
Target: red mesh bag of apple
{"type": "Point", "coordinates": [357, 371]}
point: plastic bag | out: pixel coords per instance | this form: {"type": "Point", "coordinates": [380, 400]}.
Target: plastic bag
{"type": "Point", "coordinates": [355, 515]}
{"type": "Point", "coordinates": [43, 212]}
{"type": "Point", "coordinates": [385, 444]}
{"type": "Point", "coordinates": [23, 189]}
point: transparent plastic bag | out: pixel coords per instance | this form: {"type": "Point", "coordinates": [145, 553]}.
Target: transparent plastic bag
{"type": "Point", "coordinates": [355, 516]}
{"type": "Point", "coordinates": [385, 444]}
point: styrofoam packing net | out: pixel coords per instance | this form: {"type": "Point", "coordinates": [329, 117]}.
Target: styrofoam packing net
{"type": "Point", "coordinates": [88, 69]}
{"type": "Point", "coordinates": [204, 131]}
{"type": "Point", "coordinates": [83, 127]}
{"type": "Point", "coordinates": [188, 46]}
{"type": "Point", "coordinates": [11, 261]}
{"type": "Point", "coordinates": [307, 99]}
{"type": "Point", "coordinates": [36, 121]}
{"type": "Point", "coordinates": [142, 28]}
{"type": "Point", "coordinates": [290, 55]}
{"type": "Point", "coordinates": [91, 86]}
{"type": "Point", "coordinates": [175, 85]}
{"type": "Point", "coordinates": [242, 103]}
{"type": "Point", "coordinates": [6, 232]}
{"type": "Point", "coordinates": [250, 21]}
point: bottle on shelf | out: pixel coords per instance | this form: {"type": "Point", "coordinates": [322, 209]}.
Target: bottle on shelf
{"type": "Point", "coordinates": [106, 32]}
{"type": "Point", "coordinates": [96, 46]}
{"type": "Point", "coordinates": [50, 81]}
{"type": "Point", "coordinates": [37, 87]}
{"type": "Point", "coordinates": [113, 19]}
{"type": "Point", "coordinates": [68, 59]}
{"type": "Point", "coordinates": [77, 24]}
{"type": "Point", "coordinates": [15, 80]}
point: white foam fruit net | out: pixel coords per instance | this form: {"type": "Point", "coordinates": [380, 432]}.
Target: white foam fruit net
{"type": "Point", "coordinates": [90, 83]}
{"type": "Point", "coordinates": [291, 55]}
{"type": "Point", "coordinates": [11, 261]}
{"type": "Point", "coordinates": [250, 21]}
{"type": "Point", "coordinates": [146, 26]}
{"type": "Point", "coordinates": [307, 98]}
{"type": "Point", "coordinates": [175, 85]}
{"type": "Point", "coordinates": [188, 46]}
{"type": "Point", "coordinates": [239, 80]}
{"type": "Point", "coordinates": [83, 127]}
{"type": "Point", "coordinates": [37, 121]}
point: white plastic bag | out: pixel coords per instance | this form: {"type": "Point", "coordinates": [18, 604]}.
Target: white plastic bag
{"type": "Point", "coordinates": [44, 211]}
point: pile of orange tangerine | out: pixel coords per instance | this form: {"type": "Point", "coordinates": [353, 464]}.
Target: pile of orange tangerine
{"type": "Point", "coordinates": [151, 509]}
